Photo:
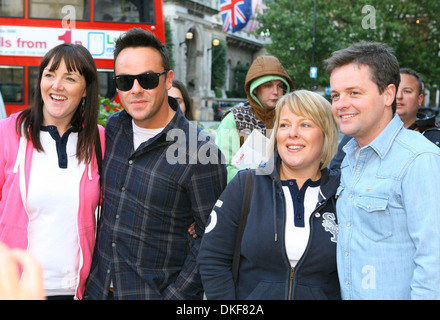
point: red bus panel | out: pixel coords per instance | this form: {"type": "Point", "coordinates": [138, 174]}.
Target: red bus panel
{"type": "Point", "coordinates": [30, 28]}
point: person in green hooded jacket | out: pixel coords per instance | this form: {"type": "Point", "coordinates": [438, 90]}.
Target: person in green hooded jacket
{"type": "Point", "coordinates": [266, 82]}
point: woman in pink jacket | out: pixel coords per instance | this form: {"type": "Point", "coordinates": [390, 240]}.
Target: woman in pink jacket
{"type": "Point", "coordinates": [49, 178]}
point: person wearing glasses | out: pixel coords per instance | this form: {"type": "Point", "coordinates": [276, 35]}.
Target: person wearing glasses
{"type": "Point", "coordinates": [149, 200]}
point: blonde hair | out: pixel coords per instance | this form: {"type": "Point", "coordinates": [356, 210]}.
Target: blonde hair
{"type": "Point", "coordinates": [315, 107]}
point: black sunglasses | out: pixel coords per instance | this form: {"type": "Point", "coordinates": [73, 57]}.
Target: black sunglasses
{"type": "Point", "coordinates": [147, 80]}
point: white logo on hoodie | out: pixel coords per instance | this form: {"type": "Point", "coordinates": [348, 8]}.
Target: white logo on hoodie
{"type": "Point", "coordinates": [329, 224]}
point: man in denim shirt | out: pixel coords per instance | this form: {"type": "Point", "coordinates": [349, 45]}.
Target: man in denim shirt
{"type": "Point", "coordinates": [388, 210]}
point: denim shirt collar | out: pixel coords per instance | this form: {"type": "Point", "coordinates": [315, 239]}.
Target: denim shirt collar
{"type": "Point", "coordinates": [382, 144]}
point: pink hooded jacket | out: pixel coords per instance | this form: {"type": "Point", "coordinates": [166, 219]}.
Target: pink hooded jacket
{"type": "Point", "coordinates": [15, 164]}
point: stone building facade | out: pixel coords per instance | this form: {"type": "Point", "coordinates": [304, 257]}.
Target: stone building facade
{"type": "Point", "coordinates": [193, 57]}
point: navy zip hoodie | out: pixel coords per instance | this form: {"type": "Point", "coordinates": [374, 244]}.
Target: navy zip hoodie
{"type": "Point", "coordinates": [265, 272]}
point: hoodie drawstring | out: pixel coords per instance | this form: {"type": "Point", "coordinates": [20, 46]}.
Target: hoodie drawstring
{"type": "Point", "coordinates": [274, 199]}
{"type": "Point", "coordinates": [90, 170]}
{"type": "Point", "coordinates": [20, 153]}
{"type": "Point", "coordinates": [20, 165]}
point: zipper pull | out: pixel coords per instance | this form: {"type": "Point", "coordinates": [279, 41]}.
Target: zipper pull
{"type": "Point", "coordinates": [292, 271]}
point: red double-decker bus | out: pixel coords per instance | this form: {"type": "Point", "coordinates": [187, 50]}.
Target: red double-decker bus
{"type": "Point", "coordinates": [30, 28]}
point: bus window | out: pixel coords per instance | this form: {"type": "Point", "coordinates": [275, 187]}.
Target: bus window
{"type": "Point", "coordinates": [58, 9]}
{"type": "Point", "coordinates": [33, 78]}
{"type": "Point", "coordinates": [107, 87]}
{"type": "Point", "coordinates": [130, 11]}
{"type": "Point", "coordinates": [11, 84]}
{"type": "Point", "coordinates": [12, 8]}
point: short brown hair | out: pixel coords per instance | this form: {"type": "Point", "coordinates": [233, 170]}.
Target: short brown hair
{"type": "Point", "coordinates": [384, 67]}
{"type": "Point", "coordinates": [137, 37]}
{"type": "Point", "coordinates": [413, 73]}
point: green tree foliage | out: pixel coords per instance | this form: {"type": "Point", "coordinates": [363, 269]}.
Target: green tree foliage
{"type": "Point", "coordinates": [218, 66]}
{"type": "Point", "coordinates": [169, 42]}
{"type": "Point", "coordinates": [411, 28]}
{"type": "Point", "coordinates": [240, 73]}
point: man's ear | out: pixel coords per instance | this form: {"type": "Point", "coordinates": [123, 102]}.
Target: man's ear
{"type": "Point", "coordinates": [389, 94]}
{"type": "Point", "coordinates": [169, 79]}
{"type": "Point", "coordinates": [420, 99]}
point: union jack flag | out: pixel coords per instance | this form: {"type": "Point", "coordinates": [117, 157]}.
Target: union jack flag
{"type": "Point", "coordinates": [235, 14]}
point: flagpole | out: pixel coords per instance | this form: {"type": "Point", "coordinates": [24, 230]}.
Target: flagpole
{"type": "Point", "coordinates": [313, 43]}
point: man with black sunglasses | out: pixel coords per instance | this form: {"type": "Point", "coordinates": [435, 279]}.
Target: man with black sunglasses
{"type": "Point", "coordinates": [143, 250]}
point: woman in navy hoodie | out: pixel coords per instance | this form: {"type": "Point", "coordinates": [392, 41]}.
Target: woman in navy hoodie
{"type": "Point", "coordinates": [288, 248]}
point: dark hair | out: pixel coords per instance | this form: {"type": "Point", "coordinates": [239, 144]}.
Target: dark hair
{"type": "Point", "coordinates": [384, 67]}
{"type": "Point", "coordinates": [413, 73]}
{"type": "Point", "coordinates": [77, 58]}
{"type": "Point", "coordinates": [186, 99]}
{"type": "Point", "coordinates": [137, 37]}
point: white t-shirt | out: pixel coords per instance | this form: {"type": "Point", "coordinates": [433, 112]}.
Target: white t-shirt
{"type": "Point", "coordinates": [141, 135]}
{"type": "Point", "coordinates": [296, 238]}
{"type": "Point", "coordinates": [53, 203]}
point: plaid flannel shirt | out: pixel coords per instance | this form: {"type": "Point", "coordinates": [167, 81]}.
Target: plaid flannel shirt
{"type": "Point", "coordinates": [143, 246]}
